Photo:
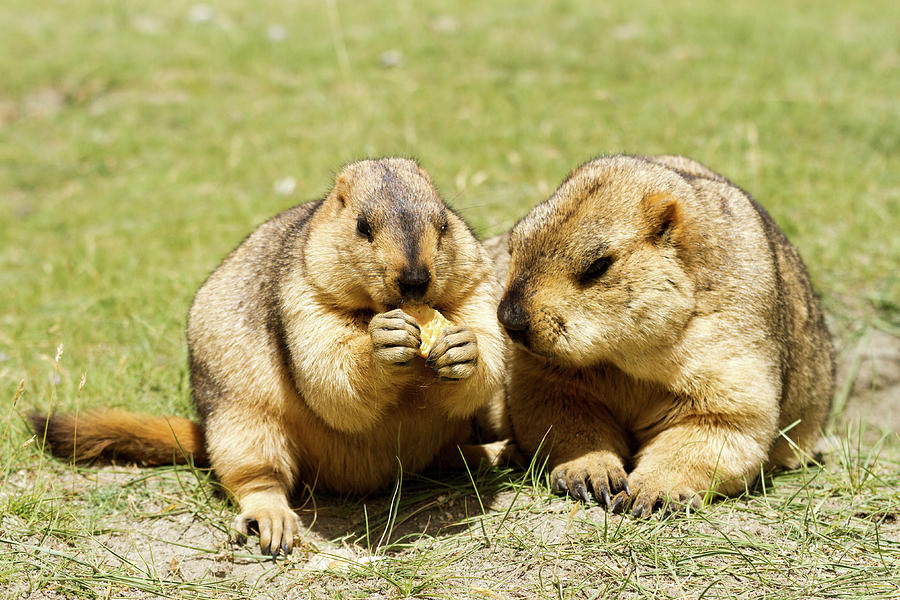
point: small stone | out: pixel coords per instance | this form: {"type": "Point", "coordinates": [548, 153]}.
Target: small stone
{"type": "Point", "coordinates": [201, 13]}
{"type": "Point", "coordinates": [391, 59]}
{"type": "Point", "coordinates": [285, 186]}
{"type": "Point", "coordinates": [276, 33]}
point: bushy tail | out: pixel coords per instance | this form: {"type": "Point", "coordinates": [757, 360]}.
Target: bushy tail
{"type": "Point", "coordinates": [122, 436]}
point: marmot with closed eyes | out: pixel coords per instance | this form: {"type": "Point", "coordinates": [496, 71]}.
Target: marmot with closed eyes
{"type": "Point", "coordinates": [668, 341]}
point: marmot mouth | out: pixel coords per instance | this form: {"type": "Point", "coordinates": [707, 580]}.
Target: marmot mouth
{"type": "Point", "coordinates": [521, 340]}
{"type": "Point", "coordinates": [396, 299]}
{"type": "Point", "coordinates": [544, 355]}
{"type": "Point", "coordinates": [520, 337]}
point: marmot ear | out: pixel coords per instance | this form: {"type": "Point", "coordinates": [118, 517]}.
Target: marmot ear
{"type": "Point", "coordinates": [663, 213]}
{"type": "Point", "coordinates": [342, 184]}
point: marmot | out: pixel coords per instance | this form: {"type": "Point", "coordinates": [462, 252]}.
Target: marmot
{"type": "Point", "coordinates": [303, 368]}
{"type": "Point", "coordinates": [668, 341]}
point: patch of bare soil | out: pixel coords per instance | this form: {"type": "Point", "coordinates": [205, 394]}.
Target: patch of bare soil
{"type": "Point", "coordinates": [870, 370]}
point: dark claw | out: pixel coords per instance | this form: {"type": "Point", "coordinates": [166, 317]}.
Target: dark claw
{"type": "Point", "coordinates": [604, 495]}
{"type": "Point", "coordinates": [642, 508]}
{"type": "Point", "coordinates": [581, 493]}
{"type": "Point", "coordinates": [619, 502]}
{"type": "Point", "coordinates": [285, 550]}
{"type": "Point", "coordinates": [560, 484]}
{"type": "Point", "coordinates": [623, 485]}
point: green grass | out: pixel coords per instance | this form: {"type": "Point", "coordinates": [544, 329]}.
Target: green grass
{"type": "Point", "coordinates": [138, 146]}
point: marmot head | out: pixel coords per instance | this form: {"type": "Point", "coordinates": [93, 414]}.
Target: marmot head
{"type": "Point", "coordinates": [598, 272]}
{"type": "Point", "coordinates": [384, 238]}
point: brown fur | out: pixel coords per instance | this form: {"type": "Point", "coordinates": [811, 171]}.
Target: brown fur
{"type": "Point", "coordinates": [123, 436]}
{"type": "Point", "coordinates": [671, 334]}
{"type": "Point", "coordinates": [302, 369]}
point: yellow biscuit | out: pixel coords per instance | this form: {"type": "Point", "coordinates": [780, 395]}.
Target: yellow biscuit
{"type": "Point", "coordinates": [430, 321]}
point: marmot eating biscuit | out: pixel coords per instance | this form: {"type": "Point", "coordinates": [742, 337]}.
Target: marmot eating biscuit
{"type": "Point", "coordinates": [303, 366]}
{"type": "Point", "coordinates": [669, 343]}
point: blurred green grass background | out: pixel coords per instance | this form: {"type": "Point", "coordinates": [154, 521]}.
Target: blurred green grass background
{"type": "Point", "coordinates": [139, 143]}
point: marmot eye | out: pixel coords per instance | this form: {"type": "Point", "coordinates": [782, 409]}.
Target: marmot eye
{"type": "Point", "coordinates": [363, 228]}
{"type": "Point", "coordinates": [596, 269]}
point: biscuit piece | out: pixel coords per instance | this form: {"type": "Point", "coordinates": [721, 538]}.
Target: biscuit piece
{"type": "Point", "coordinates": [431, 323]}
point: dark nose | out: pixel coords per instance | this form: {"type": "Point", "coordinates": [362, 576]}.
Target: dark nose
{"type": "Point", "coordinates": [512, 316]}
{"type": "Point", "coordinates": [413, 281]}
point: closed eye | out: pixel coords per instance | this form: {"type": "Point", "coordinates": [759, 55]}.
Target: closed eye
{"type": "Point", "coordinates": [595, 270]}
{"type": "Point", "coordinates": [363, 227]}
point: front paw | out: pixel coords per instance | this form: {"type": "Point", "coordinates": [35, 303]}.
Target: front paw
{"type": "Point", "coordinates": [654, 493]}
{"type": "Point", "coordinates": [395, 337]}
{"type": "Point", "coordinates": [455, 353]}
{"type": "Point", "coordinates": [269, 514]}
{"type": "Point", "coordinates": [601, 472]}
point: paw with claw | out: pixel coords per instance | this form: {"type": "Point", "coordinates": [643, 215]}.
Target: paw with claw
{"type": "Point", "coordinates": [395, 337]}
{"type": "Point", "coordinates": [455, 353]}
{"type": "Point", "coordinates": [649, 494]}
{"type": "Point", "coordinates": [599, 472]}
{"type": "Point", "coordinates": [270, 515]}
